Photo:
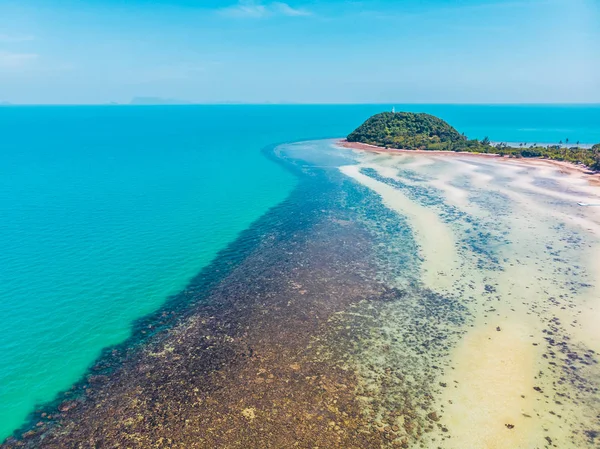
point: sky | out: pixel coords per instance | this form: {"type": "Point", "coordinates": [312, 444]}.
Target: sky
{"type": "Point", "coordinates": [253, 51]}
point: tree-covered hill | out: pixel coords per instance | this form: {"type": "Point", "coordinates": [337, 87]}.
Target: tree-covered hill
{"type": "Point", "coordinates": [405, 130]}
{"type": "Point", "coordinates": [417, 131]}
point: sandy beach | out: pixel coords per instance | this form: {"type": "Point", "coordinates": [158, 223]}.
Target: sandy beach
{"type": "Point", "coordinates": [512, 380]}
{"type": "Point", "coordinates": [394, 300]}
{"type": "Point", "coordinates": [566, 167]}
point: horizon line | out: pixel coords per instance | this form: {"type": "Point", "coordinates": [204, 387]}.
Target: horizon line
{"type": "Point", "coordinates": [391, 103]}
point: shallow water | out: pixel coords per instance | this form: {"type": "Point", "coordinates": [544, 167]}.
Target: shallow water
{"type": "Point", "coordinates": [106, 212]}
{"type": "Point", "coordinates": [383, 309]}
{"type": "Point", "coordinates": [418, 261]}
{"type": "Point", "coordinates": [521, 255]}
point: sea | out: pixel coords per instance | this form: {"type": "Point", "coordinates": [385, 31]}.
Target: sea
{"type": "Point", "coordinates": [108, 211]}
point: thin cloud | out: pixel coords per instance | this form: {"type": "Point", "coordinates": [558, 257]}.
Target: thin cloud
{"type": "Point", "coordinates": [257, 10]}
{"type": "Point", "coordinates": [287, 10]}
{"type": "Point", "coordinates": [9, 60]}
{"type": "Point", "coordinates": [14, 38]}
{"type": "Point", "coordinates": [421, 11]}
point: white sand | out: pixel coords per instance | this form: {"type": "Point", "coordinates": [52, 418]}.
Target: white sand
{"type": "Point", "coordinates": [552, 242]}
{"type": "Point", "coordinates": [435, 240]}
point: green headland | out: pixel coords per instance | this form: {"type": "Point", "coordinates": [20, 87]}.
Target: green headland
{"type": "Point", "coordinates": [418, 131]}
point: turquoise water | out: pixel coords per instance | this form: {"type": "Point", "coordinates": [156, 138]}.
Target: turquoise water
{"type": "Point", "coordinates": [106, 211]}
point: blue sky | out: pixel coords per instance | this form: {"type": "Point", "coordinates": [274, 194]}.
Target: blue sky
{"type": "Point", "coordinates": [411, 51]}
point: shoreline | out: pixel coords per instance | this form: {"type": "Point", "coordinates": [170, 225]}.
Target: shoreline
{"type": "Point", "coordinates": [150, 329]}
{"type": "Point", "coordinates": [307, 330]}
{"type": "Point", "coordinates": [517, 299]}
{"type": "Point", "coordinates": [264, 356]}
{"type": "Point", "coordinates": [563, 166]}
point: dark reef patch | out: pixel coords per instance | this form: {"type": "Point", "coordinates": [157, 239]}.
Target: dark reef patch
{"type": "Point", "coordinates": [259, 349]}
{"type": "Point", "coordinates": [482, 241]}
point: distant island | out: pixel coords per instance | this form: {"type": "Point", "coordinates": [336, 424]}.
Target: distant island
{"type": "Point", "coordinates": [418, 131]}
{"type": "Point", "coordinates": [155, 101]}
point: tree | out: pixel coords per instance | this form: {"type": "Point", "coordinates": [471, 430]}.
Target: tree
{"type": "Point", "coordinates": [406, 130]}
{"type": "Point", "coordinates": [426, 132]}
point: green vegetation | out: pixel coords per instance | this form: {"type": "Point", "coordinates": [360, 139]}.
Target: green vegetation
{"type": "Point", "coordinates": [411, 131]}
{"type": "Point", "coordinates": [596, 151]}
{"type": "Point", "coordinates": [406, 130]}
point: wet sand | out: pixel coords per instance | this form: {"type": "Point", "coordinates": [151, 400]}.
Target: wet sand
{"type": "Point", "coordinates": [580, 172]}
{"type": "Point", "coordinates": [436, 243]}
{"type": "Point", "coordinates": [393, 300]}
{"type": "Point", "coordinates": [525, 374]}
